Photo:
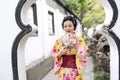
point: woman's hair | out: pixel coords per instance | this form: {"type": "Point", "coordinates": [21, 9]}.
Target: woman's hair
{"type": "Point", "coordinates": [70, 18]}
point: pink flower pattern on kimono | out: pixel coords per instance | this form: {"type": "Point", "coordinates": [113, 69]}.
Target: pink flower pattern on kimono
{"type": "Point", "coordinates": [68, 74]}
{"type": "Point", "coordinates": [81, 55]}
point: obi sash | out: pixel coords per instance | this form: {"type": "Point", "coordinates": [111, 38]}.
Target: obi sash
{"type": "Point", "coordinates": [69, 61]}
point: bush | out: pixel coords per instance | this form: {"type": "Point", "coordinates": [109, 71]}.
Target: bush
{"type": "Point", "coordinates": [101, 76]}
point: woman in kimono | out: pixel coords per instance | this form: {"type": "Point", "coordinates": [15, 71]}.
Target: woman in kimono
{"type": "Point", "coordinates": [69, 52]}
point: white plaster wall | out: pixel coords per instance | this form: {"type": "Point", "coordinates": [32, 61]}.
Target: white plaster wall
{"type": "Point", "coordinates": [116, 28]}
{"type": "Point", "coordinates": [34, 48]}
{"type": "Point", "coordinates": [8, 31]}
{"type": "Point", "coordinates": [115, 57]}
{"type": "Point", "coordinates": [40, 46]}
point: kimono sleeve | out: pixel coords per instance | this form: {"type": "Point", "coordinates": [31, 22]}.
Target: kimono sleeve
{"type": "Point", "coordinates": [57, 59]}
{"type": "Point", "coordinates": [81, 55]}
{"type": "Point", "coordinates": [82, 47]}
{"type": "Point", "coordinates": [56, 48]}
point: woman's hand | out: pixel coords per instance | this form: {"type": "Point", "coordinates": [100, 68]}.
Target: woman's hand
{"type": "Point", "coordinates": [63, 50]}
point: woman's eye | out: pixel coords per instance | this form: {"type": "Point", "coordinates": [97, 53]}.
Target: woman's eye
{"type": "Point", "coordinates": [70, 25]}
{"type": "Point", "coordinates": [65, 26]}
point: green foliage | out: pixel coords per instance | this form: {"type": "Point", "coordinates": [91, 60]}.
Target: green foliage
{"type": "Point", "coordinates": [95, 63]}
{"type": "Point", "coordinates": [91, 9]}
{"type": "Point", "coordinates": [101, 75]}
{"type": "Point", "coordinates": [84, 4]}
{"type": "Point", "coordinates": [88, 22]}
{"type": "Point", "coordinates": [95, 13]}
{"type": "Point", "coordinates": [76, 5]}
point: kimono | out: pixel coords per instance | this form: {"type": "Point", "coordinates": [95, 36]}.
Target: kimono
{"type": "Point", "coordinates": [80, 54]}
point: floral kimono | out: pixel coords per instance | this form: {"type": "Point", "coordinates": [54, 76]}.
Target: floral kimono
{"type": "Point", "coordinates": [80, 59]}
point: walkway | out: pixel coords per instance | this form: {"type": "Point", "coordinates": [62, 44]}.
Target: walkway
{"type": "Point", "coordinates": [88, 75]}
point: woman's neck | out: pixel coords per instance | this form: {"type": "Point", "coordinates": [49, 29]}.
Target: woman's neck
{"type": "Point", "coordinates": [71, 32]}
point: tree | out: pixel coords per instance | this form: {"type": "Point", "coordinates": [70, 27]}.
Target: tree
{"type": "Point", "coordinates": [76, 6]}
{"type": "Point", "coordinates": [90, 12]}
{"type": "Point", "coordinates": [95, 14]}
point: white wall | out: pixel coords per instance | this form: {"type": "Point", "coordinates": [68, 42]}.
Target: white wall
{"type": "Point", "coordinates": [41, 46]}
{"type": "Point", "coordinates": [115, 57]}
{"type": "Point", "coordinates": [8, 32]}
{"type": "Point", "coordinates": [116, 28]}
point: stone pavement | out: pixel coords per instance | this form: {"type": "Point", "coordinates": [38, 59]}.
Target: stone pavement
{"type": "Point", "coordinates": [88, 75]}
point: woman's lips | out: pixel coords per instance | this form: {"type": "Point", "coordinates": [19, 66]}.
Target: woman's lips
{"type": "Point", "coordinates": [68, 31]}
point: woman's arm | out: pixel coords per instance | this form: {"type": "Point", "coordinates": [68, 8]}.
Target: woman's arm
{"type": "Point", "coordinates": [58, 49]}
{"type": "Point", "coordinates": [82, 48]}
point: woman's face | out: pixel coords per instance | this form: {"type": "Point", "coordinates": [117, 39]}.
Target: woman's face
{"type": "Point", "coordinates": [68, 26]}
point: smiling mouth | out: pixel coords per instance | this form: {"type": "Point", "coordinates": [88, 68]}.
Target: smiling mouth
{"type": "Point", "coordinates": [68, 31]}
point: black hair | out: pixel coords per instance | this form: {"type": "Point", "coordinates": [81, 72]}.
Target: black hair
{"type": "Point", "coordinates": [70, 18]}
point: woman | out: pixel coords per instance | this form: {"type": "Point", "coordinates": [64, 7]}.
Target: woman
{"type": "Point", "coordinates": [69, 52]}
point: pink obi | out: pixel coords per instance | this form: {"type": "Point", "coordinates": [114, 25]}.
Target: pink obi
{"type": "Point", "coordinates": [69, 61]}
